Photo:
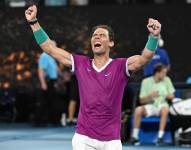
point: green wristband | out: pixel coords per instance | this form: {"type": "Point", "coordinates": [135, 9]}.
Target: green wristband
{"type": "Point", "coordinates": [40, 36]}
{"type": "Point", "coordinates": [152, 43]}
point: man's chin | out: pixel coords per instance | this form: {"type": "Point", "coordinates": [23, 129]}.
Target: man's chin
{"type": "Point", "coordinates": [98, 52]}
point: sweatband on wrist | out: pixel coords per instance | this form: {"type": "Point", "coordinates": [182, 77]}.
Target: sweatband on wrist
{"type": "Point", "coordinates": [40, 36]}
{"type": "Point", "coordinates": [152, 43]}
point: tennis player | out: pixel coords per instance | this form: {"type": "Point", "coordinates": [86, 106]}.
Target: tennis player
{"type": "Point", "coordinates": [101, 82]}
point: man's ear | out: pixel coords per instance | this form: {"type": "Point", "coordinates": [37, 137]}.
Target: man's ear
{"type": "Point", "coordinates": [111, 44]}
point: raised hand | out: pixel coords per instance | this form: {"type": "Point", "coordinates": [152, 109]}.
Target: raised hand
{"type": "Point", "coordinates": [31, 13]}
{"type": "Point", "coordinates": [154, 27]}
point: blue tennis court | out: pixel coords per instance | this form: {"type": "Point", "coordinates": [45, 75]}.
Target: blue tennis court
{"type": "Point", "coordinates": [23, 136]}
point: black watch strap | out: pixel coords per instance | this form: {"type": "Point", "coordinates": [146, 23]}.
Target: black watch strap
{"type": "Point", "coordinates": [33, 21]}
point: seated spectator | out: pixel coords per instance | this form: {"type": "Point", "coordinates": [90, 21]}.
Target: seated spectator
{"type": "Point", "coordinates": [161, 56]}
{"type": "Point", "coordinates": [155, 93]}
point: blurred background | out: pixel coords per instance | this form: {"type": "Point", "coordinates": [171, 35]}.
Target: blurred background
{"type": "Point", "coordinates": [69, 23]}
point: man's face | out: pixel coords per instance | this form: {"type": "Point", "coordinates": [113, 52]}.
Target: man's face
{"type": "Point", "coordinates": [162, 74]}
{"type": "Point", "coordinates": [100, 41]}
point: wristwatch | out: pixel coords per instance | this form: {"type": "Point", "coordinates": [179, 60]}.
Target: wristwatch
{"type": "Point", "coordinates": [32, 22]}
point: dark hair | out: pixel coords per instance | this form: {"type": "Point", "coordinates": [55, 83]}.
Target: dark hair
{"type": "Point", "coordinates": [158, 68]}
{"type": "Point", "coordinates": [108, 28]}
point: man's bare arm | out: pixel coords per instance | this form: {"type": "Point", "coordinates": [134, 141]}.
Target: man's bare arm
{"type": "Point", "coordinates": [138, 61]}
{"type": "Point", "coordinates": [42, 79]}
{"type": "Point", "coordinates": [148, 98]}
{"type": "Point", "coordinates": [47, 45]}
{"type": "Point", "coordinates": [170, 97]}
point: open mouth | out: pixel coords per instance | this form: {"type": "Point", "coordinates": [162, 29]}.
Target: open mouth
{"type": "Point", "coordinates": [97, 45]}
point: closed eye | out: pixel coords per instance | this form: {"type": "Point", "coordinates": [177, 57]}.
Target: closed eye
{"type": "Point", "coordinates": [101, 35]}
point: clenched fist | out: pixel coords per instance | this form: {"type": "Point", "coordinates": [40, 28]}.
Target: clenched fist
{"type": "Point", "coordinates": [31, 13]}
{"type": "Point", "coordinates": [154, 27]}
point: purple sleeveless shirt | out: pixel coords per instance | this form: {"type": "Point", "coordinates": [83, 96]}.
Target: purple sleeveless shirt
{"type": "Point", "coordinates": [101, 93]}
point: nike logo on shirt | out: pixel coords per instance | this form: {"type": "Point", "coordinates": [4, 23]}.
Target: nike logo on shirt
{"type": "Point", "coordinates": [106, 75]}
{"type": "Point", "coordinates": [88, 69]}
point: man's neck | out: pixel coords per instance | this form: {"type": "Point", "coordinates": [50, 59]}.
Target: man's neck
{"type": "Point", "coordinates": [156, 79]}
{"type": "Point", "coordinates": [100, 61]}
